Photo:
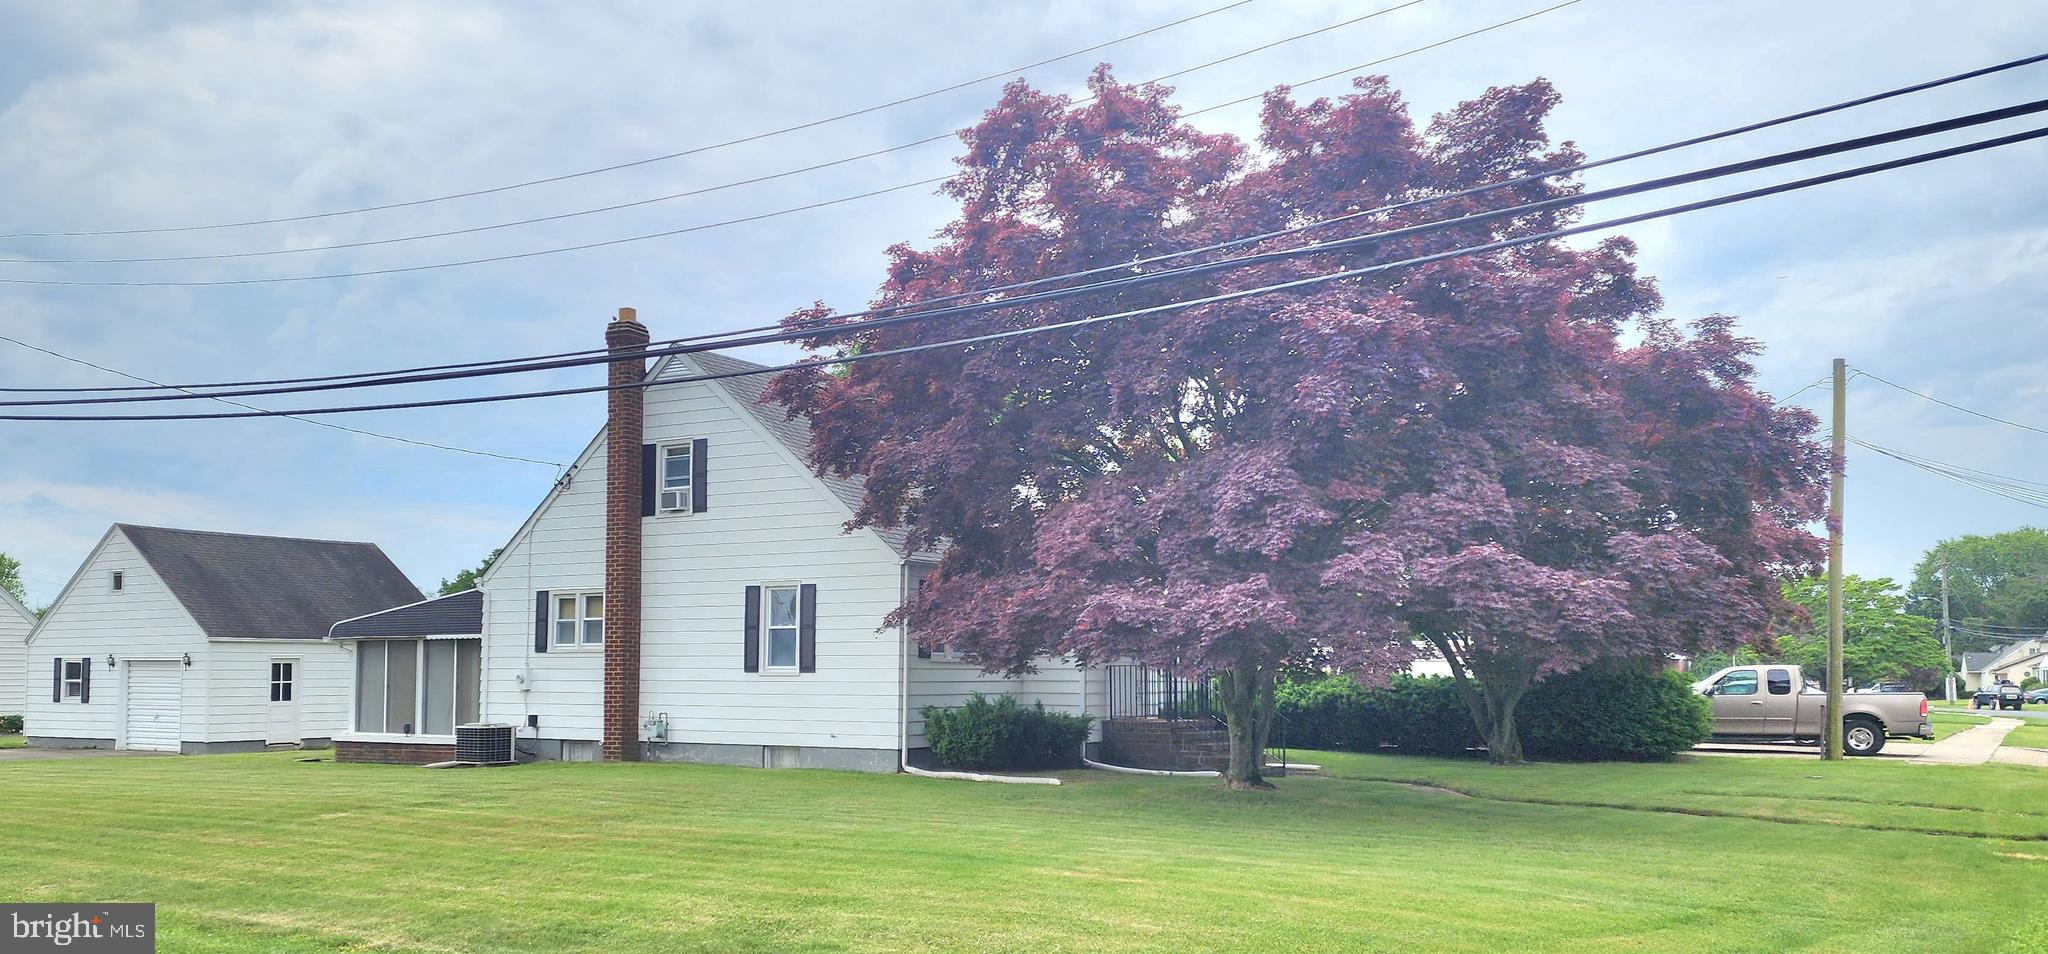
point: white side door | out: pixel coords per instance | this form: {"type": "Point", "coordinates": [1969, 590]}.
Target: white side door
{"type": "Point", "coordinates": [282, 726]}
{"type": "Point", "coordinates": [153, 704]}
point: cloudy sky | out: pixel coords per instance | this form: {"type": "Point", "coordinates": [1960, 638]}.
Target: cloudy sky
{"type": "Point", "coordinates": [138, 115]}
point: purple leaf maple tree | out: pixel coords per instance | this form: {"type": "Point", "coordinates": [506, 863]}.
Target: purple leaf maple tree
{"type": "Point", "coordinates": [1509, 460]}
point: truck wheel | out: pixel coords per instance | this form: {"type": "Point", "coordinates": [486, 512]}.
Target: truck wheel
{"type": "Point", "coordinates": [1862, 737]}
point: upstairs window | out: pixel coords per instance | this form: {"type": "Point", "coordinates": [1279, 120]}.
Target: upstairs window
{"type": "Point", "coordinates": [116, 580]}
{"type": "Point", "coordinates": [676, 463]}
{"type": "Point", "coordinates": [784, 615]}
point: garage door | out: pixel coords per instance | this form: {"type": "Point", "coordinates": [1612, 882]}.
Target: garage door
{"type": "Point", "coordinates": [153, 706]}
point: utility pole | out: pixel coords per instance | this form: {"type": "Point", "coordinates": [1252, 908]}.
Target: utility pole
{"type": "Point", "coordinates": [1947, 642]}
{"type": "Point", "coordinates": [1833, 728]}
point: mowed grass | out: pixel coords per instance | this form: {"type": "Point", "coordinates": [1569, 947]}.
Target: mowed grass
{"type": "Point", "coordinates": [2030, 735]}
{"type": "Point", "coordinates": [1946, 724]}
{"type": "Point", "coordinates": [11, 742]}
{"type": "Point", "coordinates": [268, 853]}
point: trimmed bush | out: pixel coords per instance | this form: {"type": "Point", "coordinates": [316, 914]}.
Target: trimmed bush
{"type": "Point", "coordinates": [1414, 714]}
{"type": "Point", "coordinates": [1616, 711]}
{"type": "Point", "coordinates": [997, 733]}
{"type": "Point", "coordinates": [10, 725]}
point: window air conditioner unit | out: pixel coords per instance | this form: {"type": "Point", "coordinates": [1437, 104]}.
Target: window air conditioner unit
{"type": "Point", "coordinates": [675, 500]}
{"type": "Point", "coordinates": [484, 743]}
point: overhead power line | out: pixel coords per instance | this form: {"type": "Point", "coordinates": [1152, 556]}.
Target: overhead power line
{"type": "Point", "coordinates": [669, 233]}
{"type": "Point", "coordinates": [705, 190]}
{"type": "Point", "coordinates": [692, 151]}
{"type": "Point", "coordinates": [1953, 406]}
{"type": "Point", "coordinates": [1291, 285]}
{"type": "Point", "coordinates": [1185, 271]}
{"type": "Point", "coordinates": [1182, 253]}
{"type": "Point", "coordinates": [327, 424]}
{"type": "Point", "coordinates": [1997, 485]}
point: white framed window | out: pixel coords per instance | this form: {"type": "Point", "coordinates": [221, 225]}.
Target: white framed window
{"type": "Point", "coordinates": [74, 678]}
{"type": "Point", "coordinates": [674, 488]}
{"type": "Point", "coordinates": [116, 580]}
{"type": "Point", "coordinates": [782, 612]}
{"type": "Point", "coordinates": [281, 681]}
{"type": "Point", "coordinates": [578, 620]}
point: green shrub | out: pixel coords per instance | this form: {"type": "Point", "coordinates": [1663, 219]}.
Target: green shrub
{"type": "Point", "coordinates": [10, 725]}
{"type": "Point", "coordinates": [997, 733]}
{"type": "Point", "coordinates": [1613, 711]}
{"type": "Point", "coordinates": [1619, 711]}
{"type": "Point", "coordinates": [1414, 714]}
{"type": "Point", "coordinates": [2028, 684]}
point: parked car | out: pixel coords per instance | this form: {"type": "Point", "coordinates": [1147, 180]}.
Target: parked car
{"type": "Point", "coordinates": [1779, 703]}
{"type": "Point", "coordinates": [2038, 696]}
{"type": "Point", "coordinates": [2005, 695]}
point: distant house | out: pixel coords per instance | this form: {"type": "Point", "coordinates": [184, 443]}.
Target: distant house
{"type": "Point", "coordinates": [2020, 662]}
{"type": "Point", "coordinates": [710, 608]}
{"type": "Point", "coordinates": [15, 622]}
{"type": "Point", "coordinates": [1970, 670]}
{"type": "Point", "coordinates": [192, 641]}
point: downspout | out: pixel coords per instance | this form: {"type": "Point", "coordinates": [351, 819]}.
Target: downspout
{"type": "Point", "coordinates": [903, 714]}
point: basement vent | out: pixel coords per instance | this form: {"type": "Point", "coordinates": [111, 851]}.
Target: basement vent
{"type": "Point", "coordinates": [488, 743]}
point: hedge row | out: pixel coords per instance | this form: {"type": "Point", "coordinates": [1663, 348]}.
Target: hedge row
{"type": "Point", "coordinates": [1602, 712]}
{"type": "Point", "coordinates": [997, 733]}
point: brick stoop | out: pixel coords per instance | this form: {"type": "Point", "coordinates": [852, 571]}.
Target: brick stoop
{"type": "Point", "coordinates": [1171, 745]}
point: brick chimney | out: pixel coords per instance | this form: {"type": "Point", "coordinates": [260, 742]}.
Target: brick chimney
{"type": "Point", "coordinates": [625, 414]}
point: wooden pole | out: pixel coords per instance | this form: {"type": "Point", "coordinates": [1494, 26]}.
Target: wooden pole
{"type": "Point", "coordinates": [1833, 728]}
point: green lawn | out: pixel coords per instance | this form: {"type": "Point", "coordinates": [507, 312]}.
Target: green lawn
{"type": "Point", "coordinates": [10, 742]}
{"type": "Point", "coordinates": [1947, 724]}
{"type": "Point", "coordinates": [267, 853]}
{"type": "Point", "coordinates": [2031, 735]}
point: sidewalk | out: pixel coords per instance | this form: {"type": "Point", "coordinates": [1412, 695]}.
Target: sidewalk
{"type": "Point", "coordinates": [1972, 746]}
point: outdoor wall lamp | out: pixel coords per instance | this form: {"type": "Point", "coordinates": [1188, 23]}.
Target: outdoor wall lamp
{"type": "Point", "coordinates": [188, 660]}
{"type": "Point", "coordinates": [110, 660]}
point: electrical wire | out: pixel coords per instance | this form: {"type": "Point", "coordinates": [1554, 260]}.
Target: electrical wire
{"type": "Point", "coordinates": [1995, 488]}
{"type": "Point", "coordinates": [1953, 406]}
{"type": "Point", "coordinates": [1295, 284]}
{"type": "Point", "coordinates": [942, 137]}
{"type": "Point", "coordinates": [1228, 243]}
{"type": "Point", "coordinates": [1185, 271]}
{"type": "Point", "coordinates": [327, 424]}
{"type": "Point", "coordinates": [695, 150]}
{"type": "Point", "coordinates": [395, 270]}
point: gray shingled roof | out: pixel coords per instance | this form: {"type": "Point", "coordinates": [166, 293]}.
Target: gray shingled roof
{"type": "Point", "coordinates": [457, 614]}
{"type": "Point", "coordinates": [237, 585]}
{"type": "Point", "coordinates": [795, 433]}
{"type": "Point", "coordinates": [1975, 662]}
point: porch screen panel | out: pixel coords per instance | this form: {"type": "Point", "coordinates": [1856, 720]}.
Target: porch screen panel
{"type": "Point", "coordinates": [402, 683]}
{"type": "Point", "coordinates": [468, 676]}
{"type": "Point", "coordinates": [370, 686]}
{"type": "Point", "coordinates": [437, 682]}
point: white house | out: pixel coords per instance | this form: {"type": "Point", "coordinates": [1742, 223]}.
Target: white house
{"type": "Point", "coordinates": [2019, 662]}
{"type": "Point", "coordinates": [706, 606]}
{"type": "Point", "coordinates": [192, 641]}
{"type": "Point", "coordinates": [15, 622]}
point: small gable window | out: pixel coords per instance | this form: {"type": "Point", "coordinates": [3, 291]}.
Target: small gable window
{"type": "Point", "coordinates": [676, 476]}
{"type": "Point", "coordinates": [116, 580]}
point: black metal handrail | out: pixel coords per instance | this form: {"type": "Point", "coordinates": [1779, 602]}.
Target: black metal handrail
{"type": "Point", "coordinates": [1143, 692]}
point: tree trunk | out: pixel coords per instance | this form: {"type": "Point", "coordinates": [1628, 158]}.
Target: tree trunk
{"type": "Point", "coordinates": [1247, 696]}
{"type": "Point", "coordinates": [1492, 688]}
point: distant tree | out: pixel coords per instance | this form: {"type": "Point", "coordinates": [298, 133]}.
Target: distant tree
{"type": "Point", "coordinates": [1506, 455]}
{"type": "Point", "coordinates": [1998, 581]}
{"type": "Point", "coordinates": [1880, 640]}
{"type": "Point", "coordinates": [466, 580]}
{"type": "Point", "coordinates": [10, 578]}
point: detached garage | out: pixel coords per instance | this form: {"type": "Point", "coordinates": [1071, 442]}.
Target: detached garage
{"type": "Point", "coordinates": [192, 641]}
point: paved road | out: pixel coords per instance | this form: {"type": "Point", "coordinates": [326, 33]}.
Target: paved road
{"type": "Point", "coordinates": [2035, 714]}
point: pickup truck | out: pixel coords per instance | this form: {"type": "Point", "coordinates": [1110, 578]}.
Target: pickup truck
{"type": "Point", "coordinates": [1779, 703]}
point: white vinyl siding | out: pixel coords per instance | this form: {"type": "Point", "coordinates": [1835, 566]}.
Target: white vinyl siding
{"type": "Point", "coordinates": [238, 680]}
{"type": "Point", "coordinates": [15, 622]}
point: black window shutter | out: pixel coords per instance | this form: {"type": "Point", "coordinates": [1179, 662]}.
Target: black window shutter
{"type": "Point", "coordinates": [922, 653]}
{"type": "Point", "coordinates": [807, 630]}
{"type": "Point", "coordinates": [649, 476]}
{"type": "Point", "coordinates": [56, 680]}
{"type": "Point", "coordinates": [540, 621]}
{"type": "Point", "coordinates": [85, 679]}
{"type": "Point", "coordinates": [700, 487]}
{"type": "Point", "coordinates": [752, 640]}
